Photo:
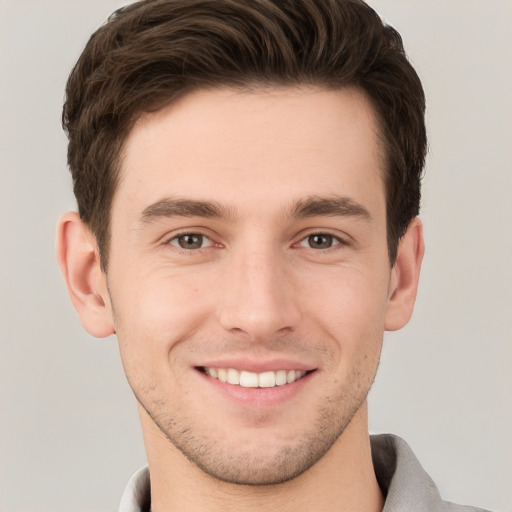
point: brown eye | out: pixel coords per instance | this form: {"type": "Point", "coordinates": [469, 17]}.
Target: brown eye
{"type": "Point", "coordinates": [191, 241]}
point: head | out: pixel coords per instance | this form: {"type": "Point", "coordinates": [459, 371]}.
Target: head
{"type": "Point", "coordinates": [150, 53]}
{"type": "Point", "coordinates": [247, 175]}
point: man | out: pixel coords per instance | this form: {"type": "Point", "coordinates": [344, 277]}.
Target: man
{"type": "Point", "coordinates": [248, 185]}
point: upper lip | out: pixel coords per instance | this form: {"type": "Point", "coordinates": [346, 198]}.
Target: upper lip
{"type": "Point", "coordinates": [257, 366]}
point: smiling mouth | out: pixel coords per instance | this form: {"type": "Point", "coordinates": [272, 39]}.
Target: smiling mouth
{"type": "Point", "coordinates": [254, 380]}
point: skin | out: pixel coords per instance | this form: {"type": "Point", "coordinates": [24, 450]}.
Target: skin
{"type": "Point", "coordinates": [259, 292]}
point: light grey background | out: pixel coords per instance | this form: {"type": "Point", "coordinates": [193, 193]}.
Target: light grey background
{"type": "Point", "coordinates": [69, 435]}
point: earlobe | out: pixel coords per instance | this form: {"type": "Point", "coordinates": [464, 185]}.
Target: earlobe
{"type": "Point", "coordinates": [78, 258]}
{"type": "Point", "coordinates": [405, 276]}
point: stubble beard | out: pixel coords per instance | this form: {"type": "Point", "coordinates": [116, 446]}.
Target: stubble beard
{"type": "Point", "coordinates": [234, 464]}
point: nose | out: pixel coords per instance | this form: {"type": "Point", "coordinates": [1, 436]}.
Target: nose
{"type": "Point", "coordinates": [259, 299]}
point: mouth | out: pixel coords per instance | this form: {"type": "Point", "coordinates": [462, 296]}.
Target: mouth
{"type": "Point", "coordinates": [246, 379]}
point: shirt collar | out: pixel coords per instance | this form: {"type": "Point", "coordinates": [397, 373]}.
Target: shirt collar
{"type": "Point", "coordinates": [137, 495]}
{"type": "Point", "coordinates": [404, 482]}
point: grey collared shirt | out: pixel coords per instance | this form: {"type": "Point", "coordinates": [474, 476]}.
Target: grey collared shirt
{"type": "Point", "coordinates": [403, 481]}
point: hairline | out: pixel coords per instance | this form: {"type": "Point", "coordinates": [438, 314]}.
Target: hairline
{"type": "Point", "coordinates": [256, 85]}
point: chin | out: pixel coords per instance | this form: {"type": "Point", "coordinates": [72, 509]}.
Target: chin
{"type": "Point", "coordinates": [257, 468]}
{"type": "Point", "coordinates": [266, 458]}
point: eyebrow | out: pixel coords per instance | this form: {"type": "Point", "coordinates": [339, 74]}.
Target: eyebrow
{"type": "Point", "coordinates": [329, 206]}
{"type": "Point", "coordinates": [309, 207]}
{"type": "Point", "coordinates": [176, 207]}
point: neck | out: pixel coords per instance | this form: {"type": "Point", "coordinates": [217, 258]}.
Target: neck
{"type": "Point", "coordinates": [343, 479]}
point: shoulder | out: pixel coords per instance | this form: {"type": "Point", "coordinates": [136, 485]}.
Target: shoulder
{"type": "Point", "coordinates": [404, 482]}
{"type": "Point", "coordinates": [453, 507]}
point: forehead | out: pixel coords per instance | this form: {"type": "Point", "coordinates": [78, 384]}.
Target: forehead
{"type": "Point", "coordinates": [265, 145]}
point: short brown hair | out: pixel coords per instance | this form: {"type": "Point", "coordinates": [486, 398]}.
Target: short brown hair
{"type": "Point", "coordinates": [150, 52]}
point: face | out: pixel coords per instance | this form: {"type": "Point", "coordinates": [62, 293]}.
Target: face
{"type": "Point", "coordinates": [249, 275]}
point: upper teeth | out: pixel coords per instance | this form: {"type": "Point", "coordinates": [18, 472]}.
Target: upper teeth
{"type": "Point", "coordinates": [255, 380]}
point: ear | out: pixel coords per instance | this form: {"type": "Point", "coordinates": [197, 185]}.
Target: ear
{"type": "Point", "coordinates": [404, 277]}
{"type": "Point", "coordinates": [79, 262]}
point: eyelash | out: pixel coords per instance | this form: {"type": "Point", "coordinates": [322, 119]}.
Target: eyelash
{"type": "Point", "coordinates": [176, 237]}
{"type": "Point", "coordinates": [336, 241]}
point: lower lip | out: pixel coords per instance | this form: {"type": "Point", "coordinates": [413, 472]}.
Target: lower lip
{"type": "Point", "coordinates": [258, 397]}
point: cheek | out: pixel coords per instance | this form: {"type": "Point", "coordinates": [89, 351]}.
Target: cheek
{"type": "Point", "coordinates": [159, 299]}
{"type": "Point", "coordinates": [347, 296]}
{"type": "Point", "coordinates": [153, 314]}
{"type": "Point", "coordinates": [350, 311]}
